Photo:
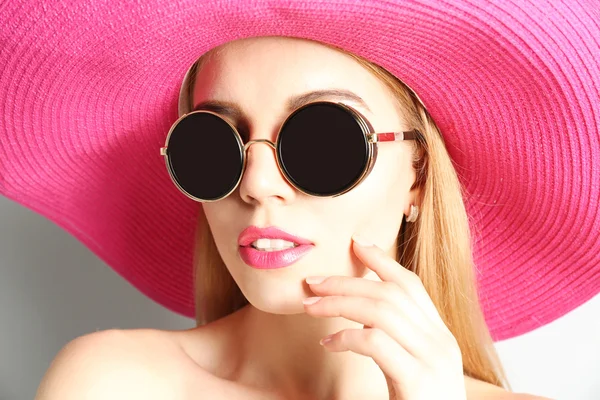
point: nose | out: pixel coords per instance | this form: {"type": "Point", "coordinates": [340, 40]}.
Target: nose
{"type": "Point", "coordinates": [262, 181]}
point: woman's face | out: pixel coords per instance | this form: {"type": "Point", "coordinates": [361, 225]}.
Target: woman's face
{"type": "Point", "coordinates": [259, 75]}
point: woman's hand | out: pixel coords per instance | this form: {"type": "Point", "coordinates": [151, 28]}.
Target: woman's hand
{"type": "Point", "coordinates": [403, 332]}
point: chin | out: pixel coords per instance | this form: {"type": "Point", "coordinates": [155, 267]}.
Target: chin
{"type": "Point", "coordinates": [275, 294]}
{"type": "Point", "coordinates": [278, 304]}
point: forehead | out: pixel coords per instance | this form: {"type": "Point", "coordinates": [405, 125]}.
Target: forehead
{"type": "Point", "coordinates": [262, 74]}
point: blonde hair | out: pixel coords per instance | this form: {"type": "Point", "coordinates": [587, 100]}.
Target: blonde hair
{"type": "Point", "coordinates": [437, 246]}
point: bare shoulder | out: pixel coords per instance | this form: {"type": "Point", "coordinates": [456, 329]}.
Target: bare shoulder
{"type": "Point", "coordinates": [119, 364]}
{"type": "Point", "coordinates": [479, 390]}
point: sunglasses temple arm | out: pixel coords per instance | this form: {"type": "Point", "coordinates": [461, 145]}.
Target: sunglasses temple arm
{"type": "Point", "coordinates": [394, 136]}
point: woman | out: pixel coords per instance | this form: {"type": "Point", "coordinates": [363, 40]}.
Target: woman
{"type": "Point", "coordinates": [289, 199]}
{"type": "Point", "coordinates": [279, 350]}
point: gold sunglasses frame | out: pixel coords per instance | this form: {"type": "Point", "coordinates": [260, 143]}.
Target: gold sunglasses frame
{"type": "Point", "coordinates": [372, 139]}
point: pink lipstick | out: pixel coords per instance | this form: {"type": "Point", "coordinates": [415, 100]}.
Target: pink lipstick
{"type": "Point", "coordinates": [263, 259]}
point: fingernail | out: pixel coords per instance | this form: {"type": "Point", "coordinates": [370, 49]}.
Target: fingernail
{"type": "Point", "coordinates": [361, 241]}
{"type": "Point", "coordinates": [311, 300]}
{"type": "Point", "coordinates": [326, 339]}
{"type": "Point", "coordinates": [313, 280]}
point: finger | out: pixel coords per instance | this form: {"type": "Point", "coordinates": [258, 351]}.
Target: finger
{"type": "Point", "coordinates": [394, 361]}
{"type": "Point", "coordinates": [384, 291]}
{"type": "Point", "coordinates": [377, 314]}
{"type": "Point", "coordinates": [382, 264]}
{"type": "Point", "coordinates": [389, 270]}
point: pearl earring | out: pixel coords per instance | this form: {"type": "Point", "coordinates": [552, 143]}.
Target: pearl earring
{"type": "Point", "coordinates": [414, 213]}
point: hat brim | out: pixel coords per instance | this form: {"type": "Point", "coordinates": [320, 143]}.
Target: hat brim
{"type": "Point", "coordinates": [89, 94]}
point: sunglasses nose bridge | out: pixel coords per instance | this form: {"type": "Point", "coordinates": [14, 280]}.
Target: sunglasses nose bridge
{"type": "Point", "coordinates": [251, 142]}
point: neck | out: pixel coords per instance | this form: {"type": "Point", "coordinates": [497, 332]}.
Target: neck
{"type": "Point", "coordinates": [282, 353]}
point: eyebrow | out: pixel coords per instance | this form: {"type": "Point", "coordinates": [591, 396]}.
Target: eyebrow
{"type": "Point", "coordinates": [233, 111]}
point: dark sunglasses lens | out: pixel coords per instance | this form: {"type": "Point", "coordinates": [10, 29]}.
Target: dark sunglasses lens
{"type": "Point", "coordinates": [323, 149]}
{"type": "Point", "coordinates": [205, 156]}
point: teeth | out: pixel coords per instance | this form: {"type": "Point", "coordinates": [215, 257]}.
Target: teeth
{"type": "Point", "coordinates": [272, 244]}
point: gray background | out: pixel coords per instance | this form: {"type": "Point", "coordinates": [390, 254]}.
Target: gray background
{"type": "Point", "coordinates": [52, 289]}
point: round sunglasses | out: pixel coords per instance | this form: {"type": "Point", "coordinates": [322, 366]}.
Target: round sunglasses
{"type": "Point", "coordinates": [323, 149]}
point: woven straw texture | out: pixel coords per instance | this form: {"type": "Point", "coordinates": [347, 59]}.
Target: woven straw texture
{"type": "Point", "coordinates": [89, 89]}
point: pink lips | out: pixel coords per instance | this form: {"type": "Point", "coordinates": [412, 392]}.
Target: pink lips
{"type": "Point", "coordinates": [271, 259]}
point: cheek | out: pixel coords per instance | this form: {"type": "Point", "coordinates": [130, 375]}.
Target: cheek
{"type": "Point", "coordinates": [219, 215]}
{"type": "Point", "coordinates": [383, 196]}
{"type": "Point", "coordinates": [393, 174]}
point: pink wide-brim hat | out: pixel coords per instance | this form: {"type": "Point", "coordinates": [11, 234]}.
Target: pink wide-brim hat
{"type": "Point", "coordinates": [89, 90]}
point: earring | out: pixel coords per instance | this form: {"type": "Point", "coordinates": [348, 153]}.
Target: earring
{"type": "Point", "coordinates": [414, 213]}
